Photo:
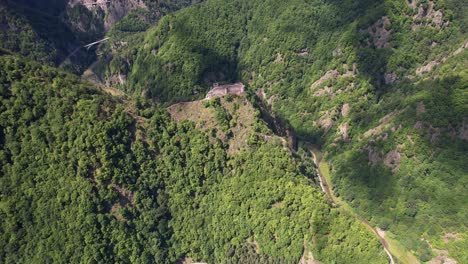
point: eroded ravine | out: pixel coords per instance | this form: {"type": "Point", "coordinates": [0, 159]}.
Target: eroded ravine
{"type": "Point", "coordinates": [325, 185]}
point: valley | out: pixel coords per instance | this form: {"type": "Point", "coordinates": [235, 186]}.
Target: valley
{"type": "Point", "coordinates": [242, 131]}
{"type": "Point", "coordinates": [391, 247]}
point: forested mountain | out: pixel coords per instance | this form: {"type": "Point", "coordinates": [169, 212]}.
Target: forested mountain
{"type": "Point", "coordinates": [380, 85]}
{"type": "Point", "coordinates": [153, 174]}
{"type": "Point", "coordinates": [88, 177]}
{"type": "Point", "coordinates": [53, 31]}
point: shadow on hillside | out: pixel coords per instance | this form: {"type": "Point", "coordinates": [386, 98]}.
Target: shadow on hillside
{"type": "Point", "coordinates": [426, 194]}
{"type": "Point", "coordinates": [193, 66]}
{"type": "Point", "coordinates": [371, 59]}
{"type": "Point", "coordinates": [45, 18]}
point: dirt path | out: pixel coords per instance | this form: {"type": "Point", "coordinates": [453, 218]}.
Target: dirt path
{"type": "Point", "coordinates": [325, 185]}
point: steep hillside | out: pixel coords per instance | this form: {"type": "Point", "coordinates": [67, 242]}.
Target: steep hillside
{"type": "Point", "coordinates": [40, 34]}
{"type": "Point", "coordinates": [380, 85]}
{"type": "Point", "coordinates": [54, 31]}
{"type": "Point", "coordinates": [99, 16]}
{"type": "Point", "coordinates": [86, 176]}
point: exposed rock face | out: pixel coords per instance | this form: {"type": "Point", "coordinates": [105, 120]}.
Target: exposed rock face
{"type": "Point", "coordinates": [373, 155]}
{"type": "Point", "coordinates": [462, 48]}
{"type": "Point", "coordinates": [432, 132]}
{"type": "Point", "coordinates": [308, 258]}
{"type": "Point", "coordinates": [432, 16]}
{"type": "Point", "coordinates": [442, 256]}
{"type": "Point", "coordinates": [337, 52]}
{"type": "Point", "coordinates": [442, 260]}
{"type": "Point", "coordinates": [333, 74]}
{"type": "Point", "coordinates": [329, 75]}
{"type": "Point", "coordinates": [279, 58]}
{"type": "Point", "coordinates": [449, 237]}
{"type": "Point", "coordinates": [380, 33]}
{"type": "Point", "coordinates": [326, 123]}
{"type": "Point", "coordinates": [345, 110]}
{"type": "Point", "coordinates": [384, 123]}
{"type": "Point", "coordinates": [114, 10]}
{"type": "Point", "coordinates": [392, 160]}
{"type": "Point", "coordinates": [390, 78]}
{"type": "Point", "coordinates": [343, 130]}
{"type": "Point", "coordinates": [419, 125]}
{"type": "Point", "coordinates": [430, 65]}
{"type": "Point", "coordinates": [412, 3]}
{"type": "Point", "coordinates": [303, 52]}
{"type": "Point", "coordinates": [117, 79]}
{"type": "Point", "coordinates": [324, 91]}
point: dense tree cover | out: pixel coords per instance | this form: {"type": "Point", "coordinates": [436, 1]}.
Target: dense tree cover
{"type": "Point", "coordinates": [283, 47]}
{"type": "Point", "coordinates": [50, 30]}
{"type": "Point", "coordinates": [426, 195]}
{"type": "Point", "coordinates": [85, 177]}
{"type": "Point", "coordinates": [63, 144]}
{"type": "Point", "coordinates": [36, 29]}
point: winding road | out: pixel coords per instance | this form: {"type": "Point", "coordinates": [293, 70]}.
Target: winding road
{"type": "Point", "coordinates": [325, 185]}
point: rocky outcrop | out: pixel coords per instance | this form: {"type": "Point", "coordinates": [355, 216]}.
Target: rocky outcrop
{"type": "Point", "coordinates": [333, 75]}
{"type": "Point", "coordinates": [392, 160]}
{"type": "Point", "coordinates": [116, 79]}
{"type": "Point", "coordinates": [430, 65]}
{"type": "Point", "coordinates": [345, 110]}
{"type": "Point", "coordinates": [343, 130]}
{"type": "Point", "coordinates": [114, 10]}
{"type": "Point", "coordinates": [380, 32]}
{"type": "Point", "coordinates": [433, 132]}
{"type": "Point", "coordinates": [328, 75]}
{"type": "Point", "coordinates": [373, 155]}
{"type": "Point", "coordinates": [325, 123]}
{"type": "Point", "coordinates": [412, 3]}
{"type": "Point", "coordinates": [390, 78]}
{"type": "Point", "coordinates": [324, 91]}
{"type": "Point", "coordinates": [427, 16]}
{"type": "Point", "coordinates": [384, 122]}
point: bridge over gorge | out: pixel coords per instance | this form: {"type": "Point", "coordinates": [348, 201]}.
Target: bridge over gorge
{"type": "Point", "coordinates": [87, 46]}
